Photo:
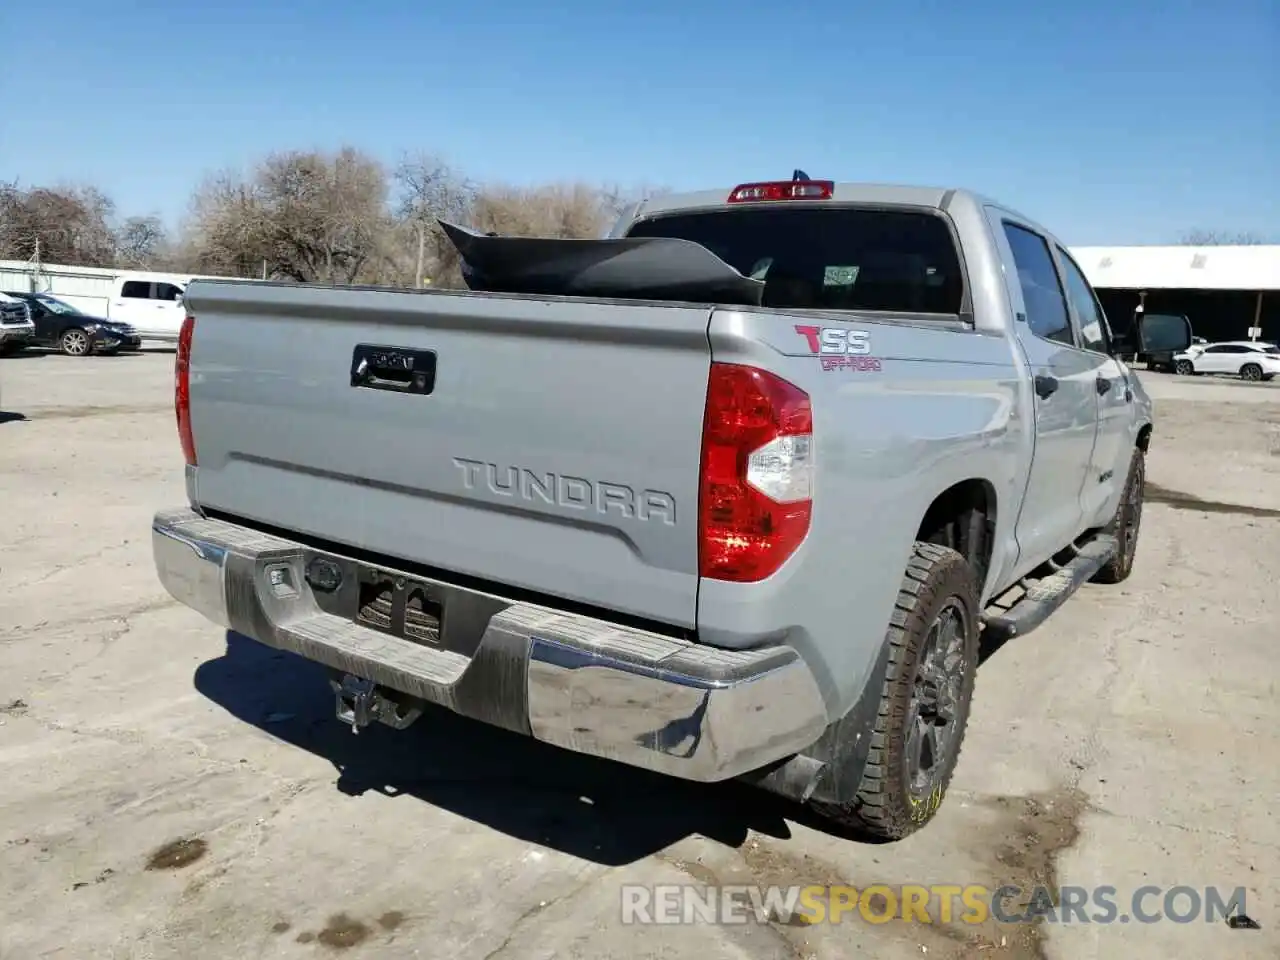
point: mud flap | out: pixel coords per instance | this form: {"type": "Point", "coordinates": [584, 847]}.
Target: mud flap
{"type": "Point", "coordinates": [830, 771]}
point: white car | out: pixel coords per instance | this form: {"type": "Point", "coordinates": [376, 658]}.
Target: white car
{"type": "Point", "coordinates": [1247, 359]}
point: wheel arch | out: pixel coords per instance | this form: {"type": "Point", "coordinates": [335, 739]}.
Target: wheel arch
{"type": "Point", "coordinates": [1144, 437]}
{"type": "Point", "coordinates": [963, 517]}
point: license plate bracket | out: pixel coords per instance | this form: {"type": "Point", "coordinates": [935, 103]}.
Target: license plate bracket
{"type": "Point", "coordinates": [401, 606]}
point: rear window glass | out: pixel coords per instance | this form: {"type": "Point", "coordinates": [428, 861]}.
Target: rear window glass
{"type": "Point", "coordinates": [830, 258]}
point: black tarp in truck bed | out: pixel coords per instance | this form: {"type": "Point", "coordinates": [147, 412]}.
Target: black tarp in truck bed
{"type": "Point", "coordinates": [635, 268]}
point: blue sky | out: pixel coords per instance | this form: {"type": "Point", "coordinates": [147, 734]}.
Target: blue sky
{"type": "Point", "coordinates": [1128, 121]}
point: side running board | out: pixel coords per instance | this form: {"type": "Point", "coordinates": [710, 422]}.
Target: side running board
{"type": "Point", "coordinates": [1046, 594]}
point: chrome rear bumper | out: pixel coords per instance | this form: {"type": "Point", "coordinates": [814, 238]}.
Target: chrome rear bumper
{"type": "Point", "coordinates": [17, 332]}
{"type": "Point", "coordinates": [640, 698]}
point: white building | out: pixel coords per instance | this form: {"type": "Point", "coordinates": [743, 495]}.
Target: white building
{"type": "Point", "coordinates": [1228, 292]}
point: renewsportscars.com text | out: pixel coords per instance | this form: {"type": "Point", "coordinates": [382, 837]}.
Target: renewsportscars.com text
{"type": "Point", "coordinates": [931, 904]}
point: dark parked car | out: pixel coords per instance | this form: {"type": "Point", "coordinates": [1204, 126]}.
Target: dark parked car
{"type": "Point", "coordinates": [59, 324]}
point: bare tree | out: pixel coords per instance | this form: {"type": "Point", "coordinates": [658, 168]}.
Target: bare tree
{"type": "Point", "coordinates": [430, 190]}
{"type": "Point", "coordinates": [1221, 238]}
{"type": "Point", "coordinates": [66, 224]}
{"type": "Point", "coordinates": [15, 229]}
{"type": "Point", "coordinates": [325, 212]}
{"type": "Point", "coordinates": [618, 200]}
{"type": "Point", "coordinates": [307, 216]}
{"type": "Point", "coordinates": [315, 216]}
{"type": "Point", "coordinates": [557, 210]}
{"type": "Point", "coordinates": [140, 242]}
{"type": "Point", "coordinates": [227, 229]}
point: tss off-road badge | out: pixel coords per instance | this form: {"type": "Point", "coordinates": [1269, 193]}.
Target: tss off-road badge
{"type": "Point", "coordinates": [840, 348]}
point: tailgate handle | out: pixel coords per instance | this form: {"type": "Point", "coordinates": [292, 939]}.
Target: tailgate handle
{"type": "Point", "coordinates": [398, 369]}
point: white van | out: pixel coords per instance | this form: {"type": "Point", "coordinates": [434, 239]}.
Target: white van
{"type": "Point", "coordinates": [149, 302]}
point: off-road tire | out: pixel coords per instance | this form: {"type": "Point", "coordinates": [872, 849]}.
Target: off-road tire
{"type": "Point", "coordinates": [1184, 368]}
{"type": "Point", "coordinates": [1118, 568]}
{"type": "Point", "coordinates": [883, 805]}
{"type": "Point", "coordinates": [1251, 372]}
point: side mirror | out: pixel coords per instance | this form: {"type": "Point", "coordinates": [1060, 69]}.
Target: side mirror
{"type": "Point", "coordinates": [1162, 333]}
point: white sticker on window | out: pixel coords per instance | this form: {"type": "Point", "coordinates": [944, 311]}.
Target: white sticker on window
{"type": "Point", "coordinates": [839, 276]}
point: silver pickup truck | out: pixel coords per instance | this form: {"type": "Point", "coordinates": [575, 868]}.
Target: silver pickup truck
{"type": "Point", "coordinates": [733, 492]}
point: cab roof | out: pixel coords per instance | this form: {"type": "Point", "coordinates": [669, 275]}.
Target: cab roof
{"type": "Point", "coordinates": [847, 192]}
{"type": "Point", "coordinates": [851, 192]}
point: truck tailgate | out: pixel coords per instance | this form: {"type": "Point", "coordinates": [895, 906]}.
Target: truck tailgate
{"type": "Point", "coordinates": [557, 451]}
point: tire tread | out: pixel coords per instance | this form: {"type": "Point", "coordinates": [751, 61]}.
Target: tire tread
{"type": "Point", "coordinates": [1115, 571]}
{"type": "Point", "coordinates": [876, 808]}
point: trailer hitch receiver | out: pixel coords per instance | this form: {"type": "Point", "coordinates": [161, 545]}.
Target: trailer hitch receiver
{"type": "Point", "coordinates": [360, 702]}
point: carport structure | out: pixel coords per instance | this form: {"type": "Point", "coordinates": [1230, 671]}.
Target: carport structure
{"type": "Point", "coordinates": [1228, 292]}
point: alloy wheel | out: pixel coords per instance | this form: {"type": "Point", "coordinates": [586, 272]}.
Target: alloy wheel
{"type": "Point", "coordinates": [75, 343]}
{"type": "Point", "coordinates": [932, 714]}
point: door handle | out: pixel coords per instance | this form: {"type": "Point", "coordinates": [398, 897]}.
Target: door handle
{"type": "Point", "coordinates": [1103, 384]}
{"type": "Point", "coordinates": [1046, 386]}
{"type": "Point", "coordinates": [398, 369]}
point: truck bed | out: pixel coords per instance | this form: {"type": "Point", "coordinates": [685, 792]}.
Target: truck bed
{"type": "Point", "coordinates": [553, 448]}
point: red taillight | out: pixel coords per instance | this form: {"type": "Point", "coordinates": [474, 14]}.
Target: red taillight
{"type": "Point", "coordinates": [182, 389]}
{"type": "Point", "coordinates": [756, 492]}
{"type": "Point", "coordinates": [783, 190]}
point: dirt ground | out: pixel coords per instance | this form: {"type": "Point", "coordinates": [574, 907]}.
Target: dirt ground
{"type": "Point", "coordinates": [173, 792]}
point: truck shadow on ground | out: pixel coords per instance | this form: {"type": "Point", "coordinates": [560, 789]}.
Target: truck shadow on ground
{"type": "Point", "coordinates": [600, 811]}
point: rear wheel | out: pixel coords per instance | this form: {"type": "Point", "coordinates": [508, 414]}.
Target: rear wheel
{"type": "Point", "coordinates": [924, 703]}
{"type": "Point", "coordinates": [1184, 368]}
{"type": "Point", "coordinates": [74, 342]}
{"type": "Point", "coordinates": [1125, 524]}
{"type": "Point", "coordinates": [1251, 372]}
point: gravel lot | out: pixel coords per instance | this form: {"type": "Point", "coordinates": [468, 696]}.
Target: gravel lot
{"type": "Point", "coordinates": [171, 792]}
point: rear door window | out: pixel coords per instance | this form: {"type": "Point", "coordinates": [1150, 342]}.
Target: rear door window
{"type": "Point", "coordinates": [830, 258]}
{"type": "Point", "coordinates": [1042, 295]}
{"type": "Point", "coordinates": [136, 290]}
{"type": "Point", "coordinates": [1092, 320]}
